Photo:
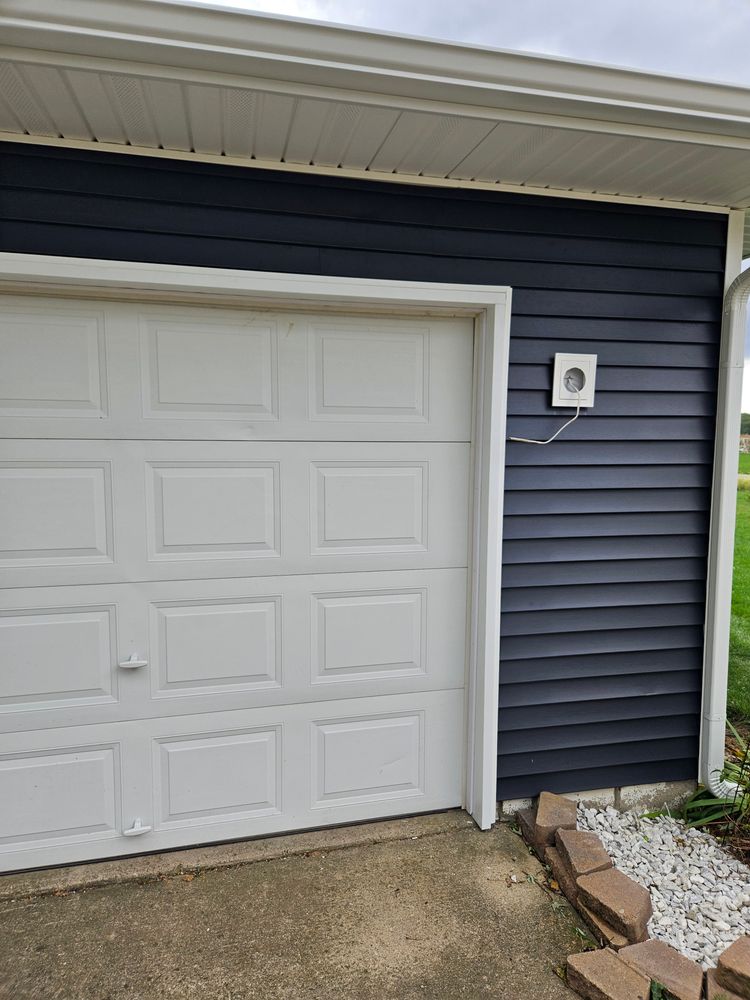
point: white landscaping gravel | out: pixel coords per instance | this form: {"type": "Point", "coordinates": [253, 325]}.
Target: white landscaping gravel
{"type": "Point", "coordinates": [700, 893]}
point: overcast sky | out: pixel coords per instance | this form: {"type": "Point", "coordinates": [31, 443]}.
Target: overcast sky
{"type": "Point", "coordinates": [708, 39]}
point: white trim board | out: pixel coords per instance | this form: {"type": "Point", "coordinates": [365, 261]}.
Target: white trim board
{"type": "Point", "coordinates": [206, 38]}
{"type": "Point", "coordinates": [720, 564]}
{"type": "Point", "coordinates": [30, 273]}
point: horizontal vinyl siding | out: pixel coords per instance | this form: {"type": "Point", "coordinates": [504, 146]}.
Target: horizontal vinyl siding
{"type": "Point", "coordinates": [605, 531]}
{"type": "Point", "coordinates": [605, 541]}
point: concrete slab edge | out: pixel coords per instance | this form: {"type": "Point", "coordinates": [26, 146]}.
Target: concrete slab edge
{"type": "Point", "coordinates": [629, 798]}
{"type": "Point", "coordinates": [145, 868]}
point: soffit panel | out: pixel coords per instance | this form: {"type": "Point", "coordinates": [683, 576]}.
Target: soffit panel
{"type": "Point", "coordinates": [148, 111]}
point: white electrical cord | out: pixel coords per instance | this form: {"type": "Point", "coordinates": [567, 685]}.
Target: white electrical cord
{"type": "Point", "coordinates": [558, 432]}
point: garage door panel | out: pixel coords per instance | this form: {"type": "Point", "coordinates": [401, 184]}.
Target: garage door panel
{"type": "Point", "coordinates": [59, 653]}
{"type": "Point", "coordinates": [399, 761]}
{"type": "Point", "coordinates": [220, 645]}
{"type": "Point", "coordinates": [359, 509]}
{"type": "Point", "coordinates": [55, 513]}
{"type": "Point", "coordinates": [219, 368]}
{"type": "Point", "coordinates": [358, 372]}
{"type": "Point", "coordinates": [57, 658]}
{"type": "Point", "coordinates": [210, 511]}
{"type": "Point", "coordinates": [368, 758]}
{"type": "Point", "coordinates": [374, 635]}
{"type": "Point", "coordinates": [54, 363]}
{"type": "Point", "coordinates": [311, 638]}
{"type": "Point", "coordinates": [309, 508]}
{"type": "Point", "coordinates": [122, 370]}
{"type": "Point", "coordinates": [62, 797]}
{"type": "Point", "coordinates": [215, 647]}
{"type": "Point", "coordinates": [225, 775]}
{"type": "Point", "coordinates": [89, 512]}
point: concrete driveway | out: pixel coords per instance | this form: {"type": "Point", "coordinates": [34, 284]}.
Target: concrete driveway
{"type": "Point", "coordinates": [417, 908]}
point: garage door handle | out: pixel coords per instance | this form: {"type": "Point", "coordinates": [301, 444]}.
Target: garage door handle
{"type": "Point", "coordinates": [136, 829]}
{"type": "Point", "coordinates": [132, 662]}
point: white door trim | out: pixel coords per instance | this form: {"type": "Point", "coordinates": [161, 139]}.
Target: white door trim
{"type": "Point", "coordinates": [490, 305]}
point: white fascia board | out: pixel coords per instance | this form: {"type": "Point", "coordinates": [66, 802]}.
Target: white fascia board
{"type": "Point", "coordinates": [217, 40]}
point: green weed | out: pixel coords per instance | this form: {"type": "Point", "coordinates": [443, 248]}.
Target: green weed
{"type": "Point", "coordinates": [659, 992]}
{"type": "Point", "coordinates": [587, 942]}
{"type": "Point", "coordinates": [705, 809]}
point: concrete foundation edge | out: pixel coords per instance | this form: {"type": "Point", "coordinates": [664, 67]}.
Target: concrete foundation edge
{"type": "Point", "coordinates": [669, 795]}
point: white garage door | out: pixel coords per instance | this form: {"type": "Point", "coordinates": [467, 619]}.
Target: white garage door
{"type": "Point", "coordinates": [234, 572]}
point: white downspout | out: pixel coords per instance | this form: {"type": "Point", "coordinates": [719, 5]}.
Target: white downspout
{"type": "Point", "coordinates": [721, 534]}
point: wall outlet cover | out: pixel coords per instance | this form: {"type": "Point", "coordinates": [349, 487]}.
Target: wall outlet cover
{"type": "Point", "coordinates": [572, 371]}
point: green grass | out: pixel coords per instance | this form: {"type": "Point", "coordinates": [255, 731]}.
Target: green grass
{"type": "Point", "coordinates": [745, 464]}
{"type": "Point", "coordinates": [738, 696]}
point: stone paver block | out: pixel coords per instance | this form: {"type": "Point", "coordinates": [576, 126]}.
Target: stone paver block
{"type": "Point", "coordinates": [561, 874]}
{"type": "Point", "coordinates": [622, 903]}
{"type": "Point", "coordinates": [601, 930]}
{"type": "Point", "coordinates": [667, 966]}
{"type": "Point", "coordinates": [582, 852]}
{"type": "Point", "coordinates": [733, 967]}
{"type": "Point", "coordinates": [527, 825]}
{"type": "Point", "coordinates": [715, 991]}
{"type": "Point", "coordinates": [553, 812]}
{"type": "Point", "coordinates": [602, 975]}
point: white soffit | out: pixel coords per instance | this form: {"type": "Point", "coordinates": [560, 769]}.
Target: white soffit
{"type": "Point", "coordinates": [205, 82]}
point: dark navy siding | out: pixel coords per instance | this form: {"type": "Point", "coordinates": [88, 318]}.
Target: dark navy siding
{"type": "Point", "coordinates": [605, 531]}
